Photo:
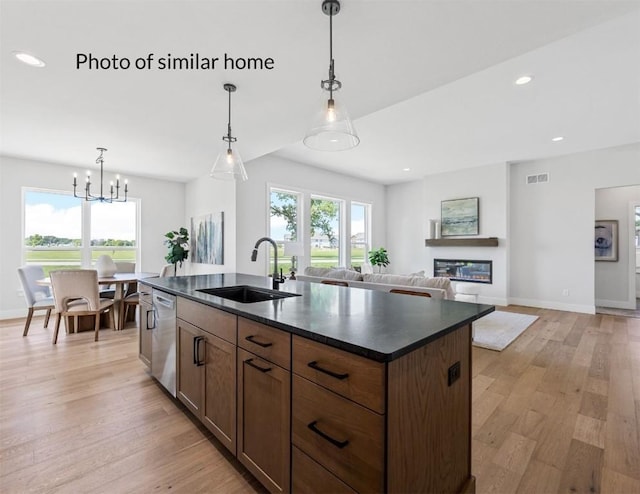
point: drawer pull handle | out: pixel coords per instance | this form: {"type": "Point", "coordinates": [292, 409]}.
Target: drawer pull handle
{"type": "Point", "coordinates": [251, 338]}
{"type": "Point", "coordinates": [335, 442]}
{"type": "Point", "coordinates": [314, 365]}
{"type": "Point", "coordinates": [261, 369]}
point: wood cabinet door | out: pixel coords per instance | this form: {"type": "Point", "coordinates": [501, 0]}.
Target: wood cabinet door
{"type": "Point", "coordinates": [146, 324]}
{"type": "Point", "coordinates": [264, 417]}
{"type": "Point", "coordinates": [190, 366]}
{"type": "Point", "coordinates": [219, 413]}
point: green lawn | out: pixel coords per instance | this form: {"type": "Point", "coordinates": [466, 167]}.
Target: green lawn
{"type": "Point", "coordinates": [70, 259]}
{"type": "Point", "coordinates": [321, 258]}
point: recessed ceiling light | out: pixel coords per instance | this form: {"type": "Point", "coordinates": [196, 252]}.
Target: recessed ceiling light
{"type": "Point", "coordinates": [406, 169]}
{"type": "Point", "coordinates": [28, 59]}
{"type": "Point", "coordinates": [557, 139]}
{"type": "Point", "coordinates": [525, 79]}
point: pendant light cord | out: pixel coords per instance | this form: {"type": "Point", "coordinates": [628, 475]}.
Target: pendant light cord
{"type": "Point", "coordinates": [331, 65]}
{"type": "Point", "coordinates": [229, 123]}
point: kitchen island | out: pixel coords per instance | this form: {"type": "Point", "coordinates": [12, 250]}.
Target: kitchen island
{"type": "Point", "coordinates": [332, 388]}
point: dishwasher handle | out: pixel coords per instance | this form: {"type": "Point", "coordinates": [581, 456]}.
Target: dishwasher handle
{"type": "Point", "coordinates": [169, 303]}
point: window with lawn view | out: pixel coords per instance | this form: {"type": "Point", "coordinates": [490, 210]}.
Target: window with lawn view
{"type": "Point", "coordinates": [283, 225]}
{"type": "Point", "coordinates": [64, 232]}
{"type": "Point", "coordinates": [324, 240]}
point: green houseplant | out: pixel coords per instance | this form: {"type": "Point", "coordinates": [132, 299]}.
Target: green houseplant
{"type": "Point", "coordinates": [178, 244]}
{"type": "Point", "coordinates": [379, 258]}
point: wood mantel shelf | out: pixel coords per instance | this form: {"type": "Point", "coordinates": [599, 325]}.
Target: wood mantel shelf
{"type": "Point", "coordinates": [462, 242]}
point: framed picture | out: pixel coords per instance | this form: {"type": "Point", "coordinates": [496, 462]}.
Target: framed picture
{"type": "Point", "coordinates": [207, 239]}
{"type": "Point", "coordinates": [459, 217]}
{"type": "Point", "coordinates": [606, 240]}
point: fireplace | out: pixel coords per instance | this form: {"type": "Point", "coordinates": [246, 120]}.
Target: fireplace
{"type": "Point", "coordinates": [464, 270]}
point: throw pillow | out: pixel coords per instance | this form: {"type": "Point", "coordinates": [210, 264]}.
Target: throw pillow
{"type": "Point", "coordinates": [344, 274]}
{"type": "Point", "coordinates": [311, 271]}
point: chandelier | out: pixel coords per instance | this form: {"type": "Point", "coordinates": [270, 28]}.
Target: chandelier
{"type": "Point", "coordinates": [114, 190]}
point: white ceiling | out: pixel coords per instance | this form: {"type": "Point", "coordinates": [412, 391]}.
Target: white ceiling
{"type": "Point", "coordinates": [429, 83]}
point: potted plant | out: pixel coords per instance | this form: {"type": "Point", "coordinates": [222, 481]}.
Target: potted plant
{"type": "Point", "coordinates": [379, 258]}
{"type": "Point", "coordinates": [178, 243]}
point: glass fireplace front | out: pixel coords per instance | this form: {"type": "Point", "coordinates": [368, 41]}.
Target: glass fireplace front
{"type": "Point", "coordinates": [464, 270]}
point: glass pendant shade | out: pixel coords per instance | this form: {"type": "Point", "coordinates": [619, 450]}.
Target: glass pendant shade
{"type": "Point", "coordinates": [229, 166]}
{"type": "Point", "coordinates": [331, 129]}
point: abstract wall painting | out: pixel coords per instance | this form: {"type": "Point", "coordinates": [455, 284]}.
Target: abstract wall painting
{"type": "Point", "coordinates": [207, 239]}
{"type": "Point", "coordinates": [460, 217]}
{"type": "Point", "coordinates": [606, 240]}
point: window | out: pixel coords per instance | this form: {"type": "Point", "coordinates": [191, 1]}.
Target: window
{"type": "Point", "coordinates": [360, 238]}
{"type": "Point", "coordinates": [337, 232]}
{"type": "Point", "coordinates": [62, 231]}
{"type": "Point", "coordinates": [325, 232]}
{"type": "Point", "coordinates": [284, 225]}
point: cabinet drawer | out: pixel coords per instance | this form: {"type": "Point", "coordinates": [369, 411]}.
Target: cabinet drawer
{"type": "Point", "coordinates": [269, 343]}
{"type": "Point", "coordinates": [354, 377]}
{"type": "Point", "coordinates": [344, 437]}
{"type": "Point", "coordinates": [145, 293]}
{"type": "Point", "coordinates": [217, 322]}
{"type": "Point", "coordinates": [309, 476]}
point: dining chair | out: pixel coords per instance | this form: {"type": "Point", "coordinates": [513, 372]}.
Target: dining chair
{"type": "Point", "coordinates": [410, 292]}
{"type": "Point", "coordinates": [75, 293]}
{"type": "Point", "coordinates": [108, 291]}
{"type": "Point", "coordinates": [334, 282]}
{"type": "Point", "coordinates": [38, 297]}
{"type": "Point", "coordinates": [133, 299]}
{"type": "Point", "coordinates": [166, 270]}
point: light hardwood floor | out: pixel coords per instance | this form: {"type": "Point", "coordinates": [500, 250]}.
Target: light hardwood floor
{"type": "Point", "coordinates": [557, 411]}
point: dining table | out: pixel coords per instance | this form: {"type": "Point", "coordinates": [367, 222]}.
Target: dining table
{"type": "Point", "coordinates": [119, 282]}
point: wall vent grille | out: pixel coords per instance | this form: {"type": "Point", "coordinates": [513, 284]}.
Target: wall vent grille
{"type": "Point", "coordinates": [539, 178]}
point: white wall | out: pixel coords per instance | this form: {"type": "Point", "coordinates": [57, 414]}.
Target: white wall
{"type": "Point", "coordinates": [551, 226]}
{"type": "Point", "coordinates": [253, 205]}
{"type": "Point", "coordinates": [615, 281]}
{"type": "Point", "coordinates": [411, 205]}
{"type": "Point", "coordinates": [162, 209]}
{"type": "Point", "coordinates": [206, 195]}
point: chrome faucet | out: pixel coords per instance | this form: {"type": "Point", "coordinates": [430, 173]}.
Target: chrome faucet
{"type": "Point", "coordinates": [277, 277]}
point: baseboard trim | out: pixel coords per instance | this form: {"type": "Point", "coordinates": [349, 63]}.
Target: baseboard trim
{"type": "Point", "coordinates": [15, 314]}
{"type": "Point", "coordinates": [547, 304]}
{"type": "Point", "coordinates": [493, 300]}
{"type": "Point", "coordinates": [617, 304]}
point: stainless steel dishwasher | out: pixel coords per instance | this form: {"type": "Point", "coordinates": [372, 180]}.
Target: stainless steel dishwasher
{"type": "Point", "coordinates": [163, 341]}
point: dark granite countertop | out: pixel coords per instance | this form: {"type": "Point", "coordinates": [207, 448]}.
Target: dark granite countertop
{"type": "Point", "coordinates": [375, 324]}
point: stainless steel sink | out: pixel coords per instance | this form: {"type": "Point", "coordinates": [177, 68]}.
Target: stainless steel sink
{"type": "Point", "coordinates": [247, 294]}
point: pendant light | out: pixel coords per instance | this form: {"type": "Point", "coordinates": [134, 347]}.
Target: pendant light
{"type": "Point", "coordinates": [332, 129]}
{"type": "Point", "coordinates": [229, 165]}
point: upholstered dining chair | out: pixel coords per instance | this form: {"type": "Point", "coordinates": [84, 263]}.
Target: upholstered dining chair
{"type": "Point", "coordinates": [166, 270]}
{"type": "Point", "coordinates": [410, 292]}
{"type": "Point", "coordinates": [75, 292]}
{"type": "Point", "coordinates": [37, 297]}
{"type": "Point", "coordinates": [133, 299]}
{"type": "Point", "coordinates": [109, 291]}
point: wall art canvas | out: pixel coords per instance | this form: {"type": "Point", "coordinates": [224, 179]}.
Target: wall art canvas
{"type": "Point", "coordinates": [460, 217]}
{"type": "Point", "coordinates": [606, 240]}
{"type": "Point", "coordinates": [207, 239]}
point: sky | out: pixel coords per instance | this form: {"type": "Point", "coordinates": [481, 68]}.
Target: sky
{"type": "Point", "coordinates": [61, 215]}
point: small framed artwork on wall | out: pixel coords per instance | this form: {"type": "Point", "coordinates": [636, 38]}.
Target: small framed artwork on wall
{"type": "Point", "coordinates": [460, 217]}
{"type": "Point", "coordinates": [606, 240]}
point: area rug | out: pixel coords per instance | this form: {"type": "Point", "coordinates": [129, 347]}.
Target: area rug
{"type": "Point", "coordinates": [497, 330]}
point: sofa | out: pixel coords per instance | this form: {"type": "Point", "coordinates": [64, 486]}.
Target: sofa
{"type": "Point", "coordinates": [436, 287]}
